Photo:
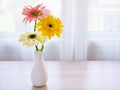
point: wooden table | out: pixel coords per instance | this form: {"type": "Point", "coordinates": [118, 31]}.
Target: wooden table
{"type": "Point", "coordinates": [88, 75]}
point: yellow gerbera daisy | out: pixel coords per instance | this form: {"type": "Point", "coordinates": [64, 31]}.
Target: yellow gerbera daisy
{"type": "Point", "coordinates": [50, 26]}
{"type": "Point", "coordinates": [32, 38]}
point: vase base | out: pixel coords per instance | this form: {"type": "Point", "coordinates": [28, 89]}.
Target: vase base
{"type": "Point", "coordinates": [39, 86]}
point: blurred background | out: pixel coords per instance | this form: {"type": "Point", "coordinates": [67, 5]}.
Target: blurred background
{"type": "Point", "coordinates": [91, 30]}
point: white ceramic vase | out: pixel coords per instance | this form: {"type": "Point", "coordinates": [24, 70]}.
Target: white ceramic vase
{"type": "Point", "coordinates": [39, 73]}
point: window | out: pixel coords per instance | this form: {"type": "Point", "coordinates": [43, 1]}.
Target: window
{"type": "Point", "coordinates": [7, 23]}
{"type": "Point", "coordinates": [104, 29]}
{"type": "Point", "coordinates": [104, 15]}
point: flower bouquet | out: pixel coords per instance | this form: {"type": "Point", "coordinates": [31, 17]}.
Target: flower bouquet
{"type": "Point", "coordinates": [46, 27]}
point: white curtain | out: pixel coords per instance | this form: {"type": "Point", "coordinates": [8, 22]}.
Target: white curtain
{"type": "Point", "coordinates": [74, 39]}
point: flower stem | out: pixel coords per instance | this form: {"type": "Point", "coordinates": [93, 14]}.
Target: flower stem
{"type": "Point", "coordinates": [35, 25]}
{"type": "Point", "coordinates": [36, 48]}
{"type": "Point", "coordinates": [42, 48]}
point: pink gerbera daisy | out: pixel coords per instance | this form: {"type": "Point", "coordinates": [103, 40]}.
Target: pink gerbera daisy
{"type": "Point", "coordinates": [34, 13]}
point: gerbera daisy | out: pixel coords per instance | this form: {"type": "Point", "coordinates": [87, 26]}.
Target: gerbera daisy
{"type": "Point", "coordinates": [34, 13]}
{"type": "Point", "coordinates": [31, 39]}
{"type": "Point", "coordinates": [50, 26]}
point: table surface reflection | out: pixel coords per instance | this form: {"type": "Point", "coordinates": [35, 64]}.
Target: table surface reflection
{"type": "Point", "coordinates": [62, 75]}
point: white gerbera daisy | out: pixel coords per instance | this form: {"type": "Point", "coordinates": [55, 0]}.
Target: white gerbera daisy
{"type": "Point", "coordinates": [30, 39]}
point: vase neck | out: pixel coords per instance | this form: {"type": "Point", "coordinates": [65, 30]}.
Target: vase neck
{"type": "Point", "coordinates": [39, 56]}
